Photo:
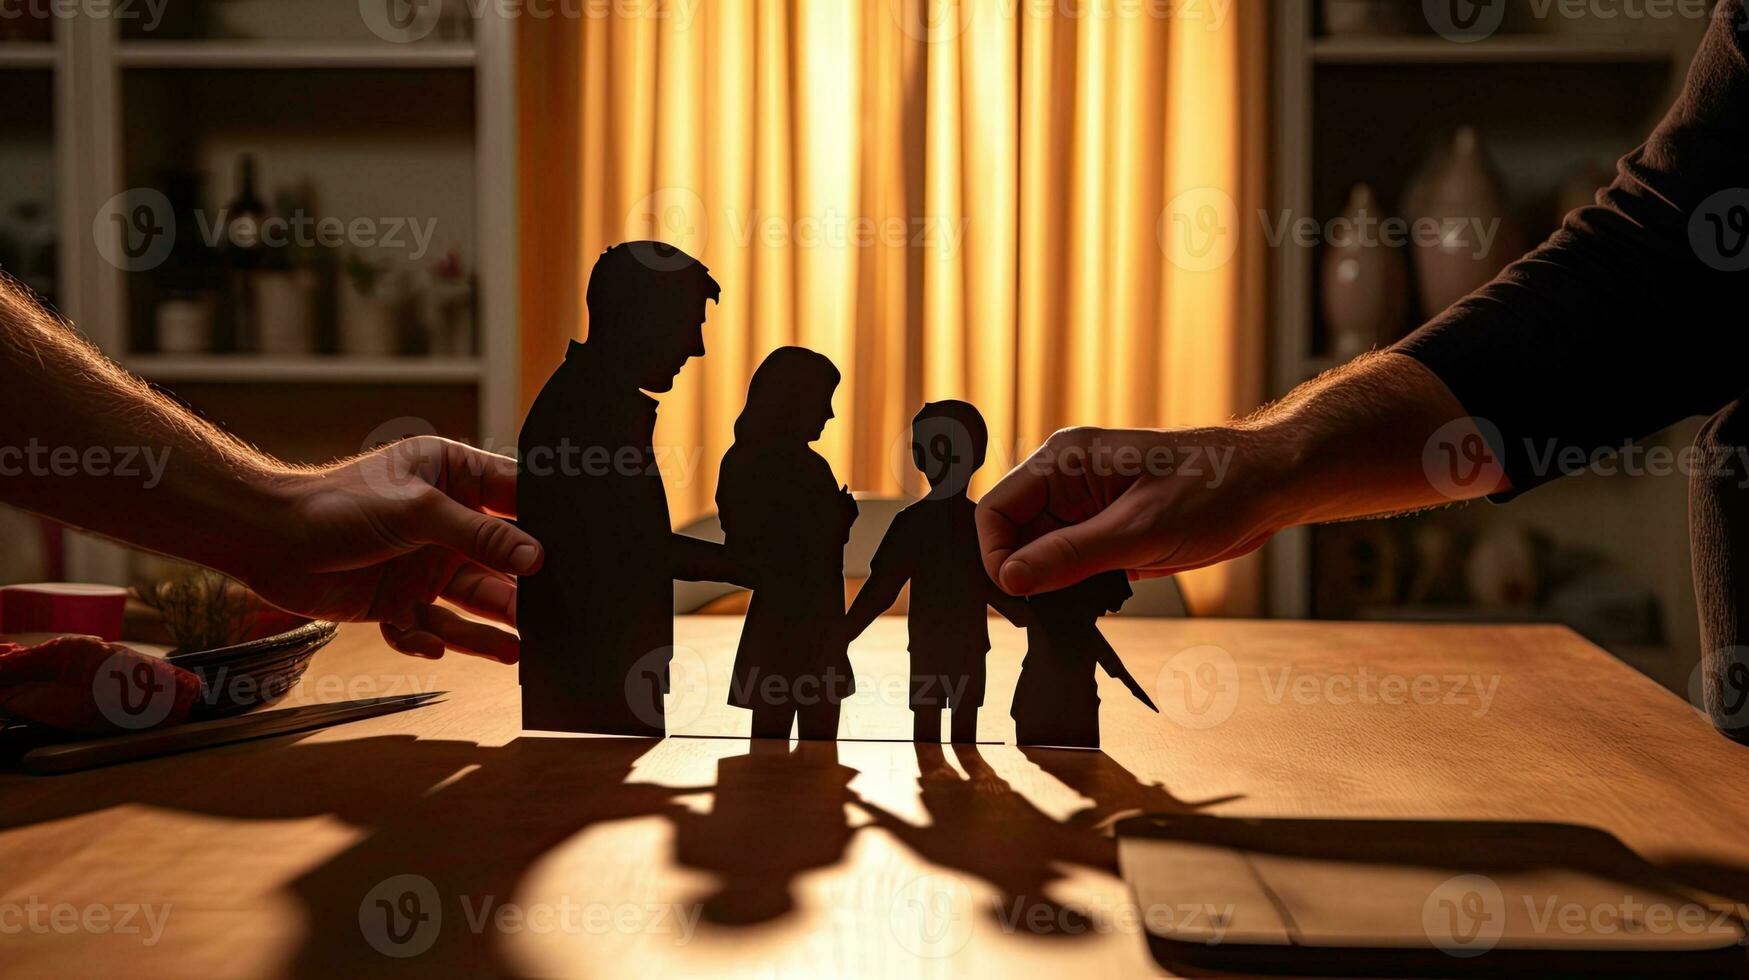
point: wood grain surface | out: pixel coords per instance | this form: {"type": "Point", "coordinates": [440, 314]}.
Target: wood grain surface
{"type": "Point", "coordinates": [577, 856]}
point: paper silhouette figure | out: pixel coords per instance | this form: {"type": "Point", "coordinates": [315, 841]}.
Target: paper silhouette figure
{"type": "Point", "coordinates": [934, 544]}
{"type": "Point", "coordinates": [596, 620]}
{"type": "Point", "coordinates": [1056, 700]}
{"type": "Point", "coordinates": [785, 522]}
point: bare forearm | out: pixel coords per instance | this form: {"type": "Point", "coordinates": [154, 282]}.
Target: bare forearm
{"type": "Point", "coordinates": [86, 443]}
{"type": "Point", "coordinates": [1369, 438]}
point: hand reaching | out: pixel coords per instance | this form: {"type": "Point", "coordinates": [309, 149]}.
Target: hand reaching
{"type": "Point", "coordinates": [383, 536]}
{"type": "Point", "coordinates": [1149, 502]}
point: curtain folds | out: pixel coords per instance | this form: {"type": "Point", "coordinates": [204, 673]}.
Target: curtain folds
{"type": "Point", "coordinates": [1033, 205]}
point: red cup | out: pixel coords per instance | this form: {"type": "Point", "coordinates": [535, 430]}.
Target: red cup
{"type": "Point", "coordinates": [63, 607]}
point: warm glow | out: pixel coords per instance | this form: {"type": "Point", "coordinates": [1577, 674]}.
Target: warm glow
{"type": "Point", "coordinates": [950, 200]}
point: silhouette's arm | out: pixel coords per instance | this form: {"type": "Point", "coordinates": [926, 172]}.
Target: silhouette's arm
{"type": "Point", "coordinates": [379, 537]}
{"type": "Point", "coordinates": [1013, 608]}
{"type": "Point", "coordinates": [696, 560]}
{"type": "Point", "coordinates": [888, 572]}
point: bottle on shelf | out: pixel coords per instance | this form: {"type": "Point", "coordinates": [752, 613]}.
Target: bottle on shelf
{"type": "Point", "coordinates": [245, 256]}
{"type": "Point", "coordinates": [184, 286]}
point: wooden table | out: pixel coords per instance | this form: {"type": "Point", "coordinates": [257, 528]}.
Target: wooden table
{"type": "Point", "coordinates": [536, 855]}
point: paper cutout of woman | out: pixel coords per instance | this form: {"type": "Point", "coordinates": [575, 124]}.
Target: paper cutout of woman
{"type": "Point", "coordinates": [785, 523]}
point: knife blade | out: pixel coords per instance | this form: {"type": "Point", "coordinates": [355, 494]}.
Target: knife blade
{"type": "Point", "coordinates": [92, 753]}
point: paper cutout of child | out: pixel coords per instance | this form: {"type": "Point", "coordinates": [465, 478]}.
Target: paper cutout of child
{"type": "Point", "coordinates": [934, 544]}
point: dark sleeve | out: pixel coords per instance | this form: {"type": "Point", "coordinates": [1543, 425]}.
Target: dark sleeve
{"type": "Point", "coordinates": [1622, 323]}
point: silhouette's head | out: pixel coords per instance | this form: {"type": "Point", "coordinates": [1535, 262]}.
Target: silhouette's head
{"type": "Point", "coordinates": [1086, 600]}
{"type": "Point", "coordinates": [646, 310]}
{"type": "Point", "coordinates": [948, 443]}
{"type": "Point", "coordinates": [789, 399]}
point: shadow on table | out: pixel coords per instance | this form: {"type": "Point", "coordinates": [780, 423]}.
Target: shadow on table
{"type": "Point", "coordinates": [464, 821]}
{"type": "Point", "coordinates": [1404, 869]}
{"type": "Point", "coordinates": [979, 825]}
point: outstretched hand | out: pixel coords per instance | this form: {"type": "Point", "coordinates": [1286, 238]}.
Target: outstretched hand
{"type": "Point", "coordinates": [382, 537]}
{"type": "Point", "coordinates": [1146, 501]}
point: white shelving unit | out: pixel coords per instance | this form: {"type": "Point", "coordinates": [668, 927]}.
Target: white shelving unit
{"type": "Point", "coordinates": [93, 68]}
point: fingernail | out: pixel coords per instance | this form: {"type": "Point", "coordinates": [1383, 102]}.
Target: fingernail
{"type": "Point", "coordinates": [524, 559]}
{"type": "Point", "coordinates": [1016, 577]}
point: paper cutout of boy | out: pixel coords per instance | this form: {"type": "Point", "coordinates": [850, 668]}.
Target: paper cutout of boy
{"type": "Point", "coordinates": [934, 544]}
{"type": "Point", "coordinates": [1056, 700]}
{"type": "Point", "coordinates": [597, 620]}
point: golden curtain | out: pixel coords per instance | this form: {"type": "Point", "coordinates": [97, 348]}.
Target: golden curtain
{"type": "Point", "coordinates": [1033, 205]}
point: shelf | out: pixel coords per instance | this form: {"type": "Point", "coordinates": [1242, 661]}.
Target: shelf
{"type": "Point", "coordinates": [256, 368]}
{"type": "Point", "coordinates": [25, 54]}
{"type": "Point", "coordinates": [267, 54]}
{"type": "Point", "coordinates": [1541, 49]}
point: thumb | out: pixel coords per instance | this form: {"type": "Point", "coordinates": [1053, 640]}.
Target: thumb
{"type": "Point", "coordinates": [488, 541]}
{"type": "Point", "coordinates": [1110, 539]}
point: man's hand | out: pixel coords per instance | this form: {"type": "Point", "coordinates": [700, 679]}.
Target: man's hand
{"type": "Point", "coordinates": [1362, 440]}
{"type": "Point", "coordinates": [383, 536]}
{"type": "Point", "coordinates": [1150, 502]}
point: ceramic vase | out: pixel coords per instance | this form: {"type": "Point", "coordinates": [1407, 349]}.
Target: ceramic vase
{"type": "Point", "coordinates": [1364, 280]}
{"type": "Point", "coordinates": [1464, 233]}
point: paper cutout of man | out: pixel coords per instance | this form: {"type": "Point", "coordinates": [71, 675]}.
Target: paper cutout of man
{"type": "Point", "coordinates": [597, 619]}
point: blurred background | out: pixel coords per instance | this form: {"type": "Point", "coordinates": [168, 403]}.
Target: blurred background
{"type": "Point", "coordinates": [326, 224]}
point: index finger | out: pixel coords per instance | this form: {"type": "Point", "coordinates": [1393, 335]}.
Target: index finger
{"type": "Point", "coordinates": [1012, 504]}
{"type": "Point", "coordinates": [481, 480]}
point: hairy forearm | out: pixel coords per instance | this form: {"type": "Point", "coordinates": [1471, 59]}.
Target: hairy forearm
{"type": "Point", "coordinates": [1364, 439]}
{"type": "Point", "coordinates": [88, 444]}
